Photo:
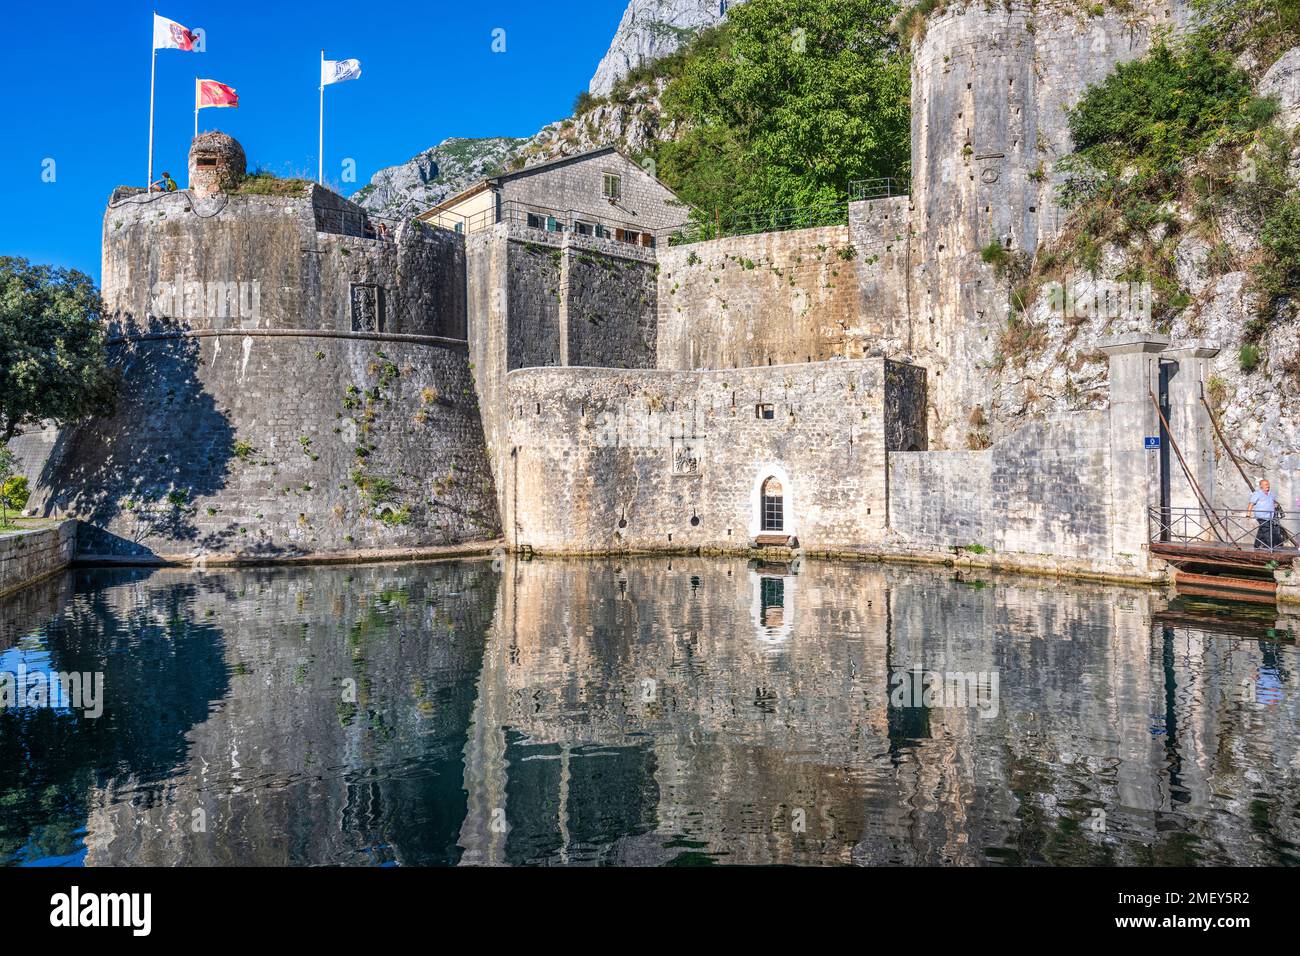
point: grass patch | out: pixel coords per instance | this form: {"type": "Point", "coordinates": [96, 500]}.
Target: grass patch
{"type": "Point", "coordinates": [260, 182]}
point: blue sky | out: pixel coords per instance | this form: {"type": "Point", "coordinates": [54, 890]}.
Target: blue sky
{"type": "Point", "coordinates": [77, 82]}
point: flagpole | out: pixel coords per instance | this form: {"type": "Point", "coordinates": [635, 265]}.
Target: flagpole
{"type": "Point", "coordinates": [196, 107]}
{"type": "Point", "coordinates": [153, 69]}
{"type": "Point", "coordinates": [320, 155]}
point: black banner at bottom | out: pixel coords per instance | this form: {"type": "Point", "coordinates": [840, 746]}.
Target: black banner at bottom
{"type": "Point", "coordinates": [340, 905]}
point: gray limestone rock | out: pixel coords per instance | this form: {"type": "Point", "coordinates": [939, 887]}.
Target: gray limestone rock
{"type": "Point", "coordinates": [1283, 81]}
{"type": "Point", "coordinates": [435, 174]}
{"type": "Point", "coordinates": [651, 29]}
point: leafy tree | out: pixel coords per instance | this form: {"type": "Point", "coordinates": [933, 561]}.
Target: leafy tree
{"type": "Point", "coordinates": [14, 494]}
{"type": "Point", "coordinates": [8, 478]}
{"type": "Point", "coordinates": [53, 364]}
{"type": "Point", "coordinates": [786, 104]}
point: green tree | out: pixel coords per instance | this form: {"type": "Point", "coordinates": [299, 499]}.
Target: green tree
{"type": "Point", "coordinates": [786, 104]}
{"type": "Point", "coordinates": [9, 482]}
{"type": "Point", "coordinates": [53, 365]}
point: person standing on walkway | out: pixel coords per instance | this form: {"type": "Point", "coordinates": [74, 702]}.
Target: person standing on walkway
{"type": "Point", "coordinates": [1263, 508]}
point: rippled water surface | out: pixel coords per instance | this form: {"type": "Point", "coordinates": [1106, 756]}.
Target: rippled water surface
{"type": "Point", "coordinates": [692, 711]}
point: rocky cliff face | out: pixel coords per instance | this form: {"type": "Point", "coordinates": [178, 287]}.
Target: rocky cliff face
{"type": "Point", "coordinates": [651, 29]}
{"type": "Point", "coordinates": [435, 174]}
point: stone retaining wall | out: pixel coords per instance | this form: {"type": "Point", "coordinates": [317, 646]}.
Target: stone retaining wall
{"type": "Point", "coordinates": [28, 556]}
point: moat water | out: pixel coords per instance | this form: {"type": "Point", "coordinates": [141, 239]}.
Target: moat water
{"type": "Point", "coordinates": [649, 712]}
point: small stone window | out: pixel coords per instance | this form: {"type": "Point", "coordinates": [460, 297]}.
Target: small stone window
{"type": "Point", "coordinates": [613, 188]}
{"type": "Point", "coordinates": [773, 505]}
{"type": "Point", "coordinates": [202, 161]}
{"type": "Point", "coordinates": [765, 412]}
{"type": "Point", "coordinates": [368, 308]}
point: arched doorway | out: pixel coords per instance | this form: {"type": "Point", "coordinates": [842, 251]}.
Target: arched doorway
{"type": "Point", "coordinates": [772, 504]}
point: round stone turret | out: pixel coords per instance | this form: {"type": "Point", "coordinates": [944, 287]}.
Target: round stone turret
{"type": "Point", "coordinates": [217, 163]}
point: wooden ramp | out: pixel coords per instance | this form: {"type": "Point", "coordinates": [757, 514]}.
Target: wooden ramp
{"type": "Point", "coordinates": [1228, 570]}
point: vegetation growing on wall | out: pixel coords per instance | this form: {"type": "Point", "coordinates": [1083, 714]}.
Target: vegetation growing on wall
{"type": "Point", "coordinates": [1172, 143]}
{"type": "Point", "coordinates": [262, 182]}
{"type": "Point", "coordinates": [1261, 30]}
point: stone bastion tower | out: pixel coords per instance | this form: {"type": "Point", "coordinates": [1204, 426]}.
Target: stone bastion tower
{"type": "Point", "coordinates": [295, 378]}
{"type": "Point", "coordinates": [991, 84]}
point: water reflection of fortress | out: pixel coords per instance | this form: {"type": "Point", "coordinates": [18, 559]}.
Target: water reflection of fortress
{"type": "Point", "coordinates": [653, 711]}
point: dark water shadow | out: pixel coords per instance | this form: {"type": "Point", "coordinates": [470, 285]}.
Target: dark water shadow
{"type": "Point", "coordinates": [133, 476]}
{"type": "Point", "coordinates": [161, 673]}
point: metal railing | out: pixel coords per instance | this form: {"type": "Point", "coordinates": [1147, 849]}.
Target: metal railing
{"type": "Point", "coordinates": [1223, 528]}
{"type": "Point", "coordinates": [880, 188]}
{"type": "Point", "coordinates": [750, 222]}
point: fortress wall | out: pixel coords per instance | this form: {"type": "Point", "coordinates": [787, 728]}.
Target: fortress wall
{"type": "Point", "coordinates": [232, 262]}
{"type": "Point", "coordinates": [422, 273]}
{"type": "Point", "coordinates": [1045, 489]}
{"type": "Point", "coordinates": [253, 444]}
{"type": "Point", "coordinates": [609, 460]}
{"type": "Point", "coordinates": [879, 230]}
{"type": "Point", "coordinates": [253, 419]}
{"type": "Point", "coordinates": [782, 297]}
{"type": "Point", "coordinates": [485, 290]}
{"type": "Point", "coordinates": [610, 310]}
{"type": "Point", "coordinates": [541, 299]}
{"type": "Point", "coordinates": [533, 295]}
{"type": "Point", "coordinates": [578, 300]}
{"type": "Point", "coordinates": [989, 90]}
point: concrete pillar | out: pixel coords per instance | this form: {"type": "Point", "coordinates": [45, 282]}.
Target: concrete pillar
{"type": "Point", "coordinates": [1134, 470]}
{"type": "Point", "coordinates": [1190, 423]}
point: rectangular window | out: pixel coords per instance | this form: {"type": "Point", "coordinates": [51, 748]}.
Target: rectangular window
{"type": "Point", "coordinates": [582, 228]}
{"type": "Point", "coordinates": [367, 308]}
{"type": "Point", "coordinates": [613, 186]}
{"type": "Point", "coordinates": [460, 227]}
{"type": "Point", "coordinates": [534, 221]}
{"type": "Point", "coordinates": [765, 412]}
{"type": "Point", "coordinates": [601, 232]}
{"type": "Point", "coordinates": [773, 513]}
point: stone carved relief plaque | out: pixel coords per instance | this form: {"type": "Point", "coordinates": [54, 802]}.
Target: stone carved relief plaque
{"type": "Point", "coordinates": [685, 458]}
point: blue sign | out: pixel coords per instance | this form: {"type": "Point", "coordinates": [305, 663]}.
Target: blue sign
{"type": "Point", "coordinates": [1152, 442]}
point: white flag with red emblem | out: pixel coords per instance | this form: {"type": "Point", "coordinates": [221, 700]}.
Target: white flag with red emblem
{"type": "Point", "coordinates": [170, 35]}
